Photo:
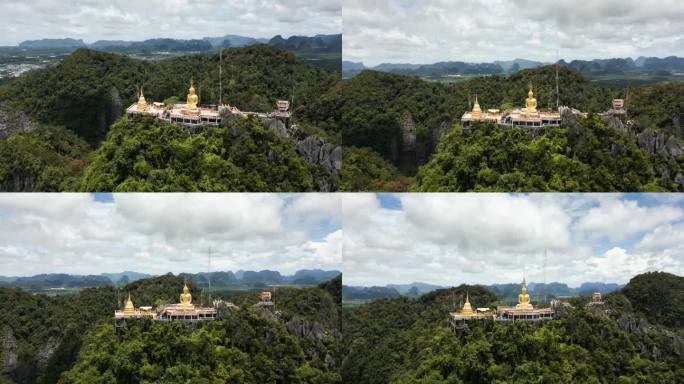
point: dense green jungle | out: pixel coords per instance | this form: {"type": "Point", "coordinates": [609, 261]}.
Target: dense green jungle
{"type": "Point", "coordinates": [71, 338]}
{"type": "Point", "coordinates": [636, 336]}
{"type": "Point", "coordinates": [403, 133]}
{"type": "Point", "coordinates": [63, 127]}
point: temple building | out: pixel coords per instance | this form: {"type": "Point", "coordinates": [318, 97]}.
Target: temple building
{"type": "Point", "coordinates": [130, 311]}
{"type": "Point", "coordinates": [459, 319]}
{"type": "Point", "coordinates": [596, 300]}
{"type": "Point", "coordinates": [529, 116]}
{"type": "Point", "coordinates": [192, 113]}
{"type": "Point", "coordinates": [185, 310]}
{"type": "Point", "coordinates": [524, 310]}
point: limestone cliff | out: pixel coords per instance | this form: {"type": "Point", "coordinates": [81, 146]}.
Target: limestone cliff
{"type": "Point", "coordinates": [14, 121]}
{"type": "Point", "coordinates": [10, 349]}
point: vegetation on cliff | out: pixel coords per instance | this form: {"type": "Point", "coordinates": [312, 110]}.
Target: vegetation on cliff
{"type": "Point", "coordinates": [409, 341]}
{"type": "Point", "coordinates": [48, 159]}
{"type": "Point", "coordinates": [72, 339]}
{"type": "Point", "coordinates": [411, 122]}
{"type": "Point", "coordinates": [144, 154]}
{"type": "Point", "coordinates": [585, 155]}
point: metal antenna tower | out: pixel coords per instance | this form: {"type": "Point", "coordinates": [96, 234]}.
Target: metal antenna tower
{"type": "Point", "coordinates": [544, 272]}
{"type": "Point", "coordinates": [557, 84]}
{"type": "Point", "coordinates": [220, 72]}
{"type": "Point", "coordinates": [209, 267]}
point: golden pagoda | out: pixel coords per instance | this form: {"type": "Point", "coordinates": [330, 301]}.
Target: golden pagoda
{"type": "Point", "coordinates": [186, 298]}
{"type": "Point", "coordinates": [477, 112]}
{"type": "Point", "coordinates": [193, 99]}
{"type": "Point", "coordinates": [467, 308]}
{"type": "Point", "coordinates": [142, 103]}
{"type": "Point", "coordinates": [129, 309]}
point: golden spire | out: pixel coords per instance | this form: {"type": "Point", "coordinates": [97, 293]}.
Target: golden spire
{"type": "Point", "coordinates": [142, 103]}
{"type": "Point", "coordinates": [477, 112]}
{"type": "Point", "coordinates": [192, 96]}
{"type": "Point", "coordinates": [467, 308]}
{"type": "Point", "coordinates": [129, 309]}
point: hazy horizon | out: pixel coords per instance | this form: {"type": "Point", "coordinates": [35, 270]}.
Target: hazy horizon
{"type": "Point", "coordinates": [89, 42]}
{"type": "Point", "coordinates": [175, 273]}
{"type": "Point", "coordinates": [493, 61]}
{"type": "Point", "coordinates": [476, 31]}
{"type": "Point", "coordinates": [133, 20]}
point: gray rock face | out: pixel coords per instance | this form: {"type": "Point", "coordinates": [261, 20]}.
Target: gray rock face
{"type": "Point", "coordinates": [13, 121]}
{"type": "Point", "coordinates": [408, 130]}
{"type": "Point", "coordinates": [317, 151]}
{"type": "Point", "coordinates": [10, 348]}
{"type": "Point", "coordinates": [305, 329]}
{"type": "Point", "coordinates": [636, 326]}
{"type": "Point", "coordinates": [46, 351]}
{"type": "Point", "coordinates": [278, 126]}
{"type": "Point", "coordinates": [659, 143]}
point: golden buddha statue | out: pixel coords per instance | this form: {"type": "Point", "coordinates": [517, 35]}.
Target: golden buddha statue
{"type": "Point", "coordinates": [530, 102]}
{"type": "Point", "coordinates": [524, 298]}
{"type": "Point", "coordinates": [129, 309]}
{"type": "Point", "coordinates": [477, 112]}
{"type": "Point", "coordinates": [142, 103]}
{"type": "Point", "coordinates": [193, 99]}
{"type": "Point", "coordinates": [467, 309]}
{"type": "Point", "coordinates": [186, 297]}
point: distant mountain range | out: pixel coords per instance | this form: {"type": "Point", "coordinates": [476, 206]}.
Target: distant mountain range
{"type": "Point", "coordinates": [598, 66]}
{"type": "Point", "coordinates": [501, 290]}
{"type": "Point", "coordinates": [317, 43]}
{"type": "Point", "coordinates": [61, 280]}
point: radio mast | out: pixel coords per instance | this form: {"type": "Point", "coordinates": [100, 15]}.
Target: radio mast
{"type": "Point", "coordinates": [544, 271]}
{"type": "Point", "coordinates": [557, 84]}
{"type": "Point", "coordinates": [220, 82]}
{"type": "Point", "coordinates": [209, 267]}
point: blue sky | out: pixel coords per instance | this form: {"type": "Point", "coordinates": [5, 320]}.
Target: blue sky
{"type": "Point", "coordinates": [491, 238]}
{"type": "Point", "coordinates": [158, 233]}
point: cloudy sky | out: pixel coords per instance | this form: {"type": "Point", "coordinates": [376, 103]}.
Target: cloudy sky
{"type": "Point", "coordinates": [450, 239]}
{"type": "Point", "coordinates": [93, 20]}
{"type": "Point", "coordinates": [427, 31]}
{"type": "Point", "coordinates": [159, 233]}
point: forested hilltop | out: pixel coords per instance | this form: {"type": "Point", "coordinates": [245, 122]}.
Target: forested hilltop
{"type": "Point", "coordinates": [56, 123]}
{"type": "Point", "coordinates": [637, 336]}
{"type": "Point", "coordinates": [72, 338]}
{"type": "Point", "coordinates": [412, 127]}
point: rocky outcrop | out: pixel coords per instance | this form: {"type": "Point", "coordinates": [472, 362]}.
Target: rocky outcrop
{"type": "Point", "coordinates": [643, 330]}
{"type": "Point", "coordinates": [317, 151]}
{"type": "Point", "coordinates": [46, 351]}
{"type": "Point", "coordinates": [13, 121]}
{"type": "Point", "coordinates": [10, 349]}
{"type": "Point", "coordinates": [657, 143]}
{"type": "Point", "coordinates": [278, 126]}
{"type": "Point", "coordinates": [305, 329]}
{"type": "Point", "coordinates": [408, 130]}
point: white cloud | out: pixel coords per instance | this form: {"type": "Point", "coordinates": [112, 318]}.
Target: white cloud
{"type": "Point", "coordinates": [483, 30]}
{"type": "Point", "coordinates": [157, 233]}
{"type": "Point", "coordinates": [459, 238]}
{"type": "Point", "coordinates": [619, 219]}
{"type": "Point", "coordinates": [135, 20]}
{"type": "Point", "coordinates": [664, 237]}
